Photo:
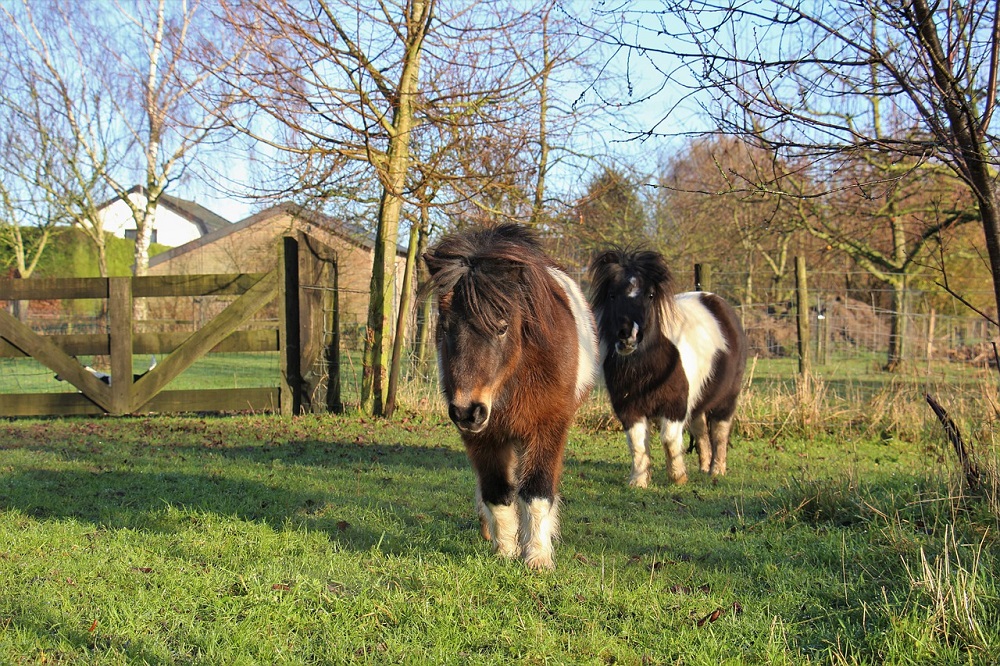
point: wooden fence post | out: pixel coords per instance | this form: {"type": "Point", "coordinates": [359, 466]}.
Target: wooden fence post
{"type": "Point", "coordinates": [121, 330]}
{"type": "Point", "coordinates": [802, 315]}
{"type": "Point", "coordinates": [334, 403]}
{"type": "Point", "coordinates": [822, 335]}
{"type": "Point", "coordinates": [703, 277]}
{"type": "Point", "coordinates": [288, 302]}
{"type": "Point", "coordinates": [319, 354]}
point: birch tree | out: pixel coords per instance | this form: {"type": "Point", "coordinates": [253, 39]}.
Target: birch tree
{"type": "Point", "coordinates": [121, 84]}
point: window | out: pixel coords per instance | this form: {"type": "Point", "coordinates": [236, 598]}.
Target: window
{"type": "Point", "coordinates": [131, 233]}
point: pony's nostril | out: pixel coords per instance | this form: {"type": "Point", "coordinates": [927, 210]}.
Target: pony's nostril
{"type": "Point", "coordinates": [629, 332]}
{"type": "Point", "coordinates": [470, 417]}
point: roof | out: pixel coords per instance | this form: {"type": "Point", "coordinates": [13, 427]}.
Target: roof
{"type": "Point", "coordinates": [349, 232]}
{"type": "Point", "coordinates": [206, 220]}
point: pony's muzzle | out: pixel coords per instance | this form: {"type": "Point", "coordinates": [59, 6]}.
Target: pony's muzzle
{"type": "Point", "coordinates": [469, 418]}
{"type": "Point", "coordinates": [629, 337]}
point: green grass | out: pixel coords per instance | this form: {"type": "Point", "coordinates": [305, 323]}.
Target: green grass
{"type": "Point", "coordinates": [247, 540]}
{"type": "Point", "coordinates": [213, 371]}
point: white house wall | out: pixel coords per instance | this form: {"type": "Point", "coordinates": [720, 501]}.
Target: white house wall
{"type": "Point", "coordinates": [171, 229]}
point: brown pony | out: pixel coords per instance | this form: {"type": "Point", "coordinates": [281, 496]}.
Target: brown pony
{"type": "Point", "coordinates": [517, 354]}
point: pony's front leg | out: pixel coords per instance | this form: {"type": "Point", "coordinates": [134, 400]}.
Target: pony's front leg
{"type": "Point", "coordinates": [496, 499]}
{"type": "Point", "coordinates": [672, 434]}
{"type": "Point", "coordinates": [635, 435]}
{"type": "Point", "coordinates": [539, 518]}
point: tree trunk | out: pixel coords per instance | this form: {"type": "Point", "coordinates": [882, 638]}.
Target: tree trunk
{"type": "Point", "coordinates": [973, 152]}
{"type": "Point", "coordinates": [897, 327]}
{"type": "Point", "coordinates": [402, 319]}
{"type": "Point", "coordinates": [376, 354]}
{"type": "Point", "coordinates": [397, 163]}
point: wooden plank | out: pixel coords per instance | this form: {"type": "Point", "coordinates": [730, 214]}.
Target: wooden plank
{"type": "Point", "coordinates": [74, 344]}
{"type": "Point", "coordinates": [214, 400]}
{"type": "Point", "coordinates": [205, 400]}
{"type": "Point", "coordinates": [210, 335]}
{"type": "Point", "coordinates": [222, 284]}
{"type": "Point", "coordinates": [120, 317]}
{"type": "Point", "coordinates": [84, 344]}
{"type": "Point", "coordinates": [48, 354]}
{"type": "Point", "coordinates": [53, 288]}
{"type": "Point", "coordinates": [47, 404]}
{"type": "Point", "coordinates": [260, 340]}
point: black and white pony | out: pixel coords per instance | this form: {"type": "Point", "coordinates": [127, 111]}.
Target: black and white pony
{"type": "Point", "coordinates": [677, 358]}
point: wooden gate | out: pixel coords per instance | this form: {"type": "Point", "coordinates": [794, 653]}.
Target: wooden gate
{"type": "Point", "coordinates": [301, 347]}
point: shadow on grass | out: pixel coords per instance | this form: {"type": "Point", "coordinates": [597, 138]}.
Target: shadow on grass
{"type": "Point", "coordinates": [398, 497]}
{"type": "Point", "coordinates": [360, 494]}
{"type": "Point", "coordinates": [38, 618]}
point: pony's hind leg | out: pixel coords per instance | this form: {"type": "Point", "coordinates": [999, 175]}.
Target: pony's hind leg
{"type": "Point", "coordinates": [699, 430]}
{"type": "Point", "coordinates": [635, 435]}
{"type": "Point", "coordinates": [719, 432]}
{"type": "Point", "coordinates": [672, 435]}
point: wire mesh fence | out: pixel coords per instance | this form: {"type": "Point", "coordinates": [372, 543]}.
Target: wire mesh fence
{"type": "Point", "coordinates": [849, 340]}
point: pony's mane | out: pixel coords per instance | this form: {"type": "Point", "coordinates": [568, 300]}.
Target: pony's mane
{"type": "Point", "coordinates": [490, 273]}
{"type": "Point", "coordinates": [617, 264]}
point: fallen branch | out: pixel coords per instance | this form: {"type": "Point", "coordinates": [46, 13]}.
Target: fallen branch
{"type": "Point", "coordinates": [969, 467]}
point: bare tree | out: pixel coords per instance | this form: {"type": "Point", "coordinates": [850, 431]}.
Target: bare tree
{"type": "Point", "coordinates": [381, 106]}
{"type": "Point", "coordinates": [334, 89]}
{"type": "Point", "coordinates": [46, 174]}
{"type": "Point", "coordinates": [699, 193]}
{"type": "Point", "coordinates": [821, 81]}
{"type": "Point", "coordinates": [121, 86]}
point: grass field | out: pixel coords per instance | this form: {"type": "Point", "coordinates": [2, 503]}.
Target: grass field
{"type": "Point", "coordinates": [326, 540]}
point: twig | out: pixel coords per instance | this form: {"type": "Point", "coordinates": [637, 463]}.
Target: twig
{"type": "Point", "coordinates": [955, 437]}
{"type": "Point", "coordinates": [966, 303]}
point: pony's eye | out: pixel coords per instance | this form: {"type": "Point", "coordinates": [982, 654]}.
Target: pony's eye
{"type": "Point", "coordinates": [503, 330]}
{"type": "Point", "coordinates": [650, 295]}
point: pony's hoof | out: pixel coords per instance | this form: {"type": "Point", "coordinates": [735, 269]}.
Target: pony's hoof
{"type": "Point", "coordinates": [540, 563]}
{"type": "Point", "coordinates": [718, 470]}
{"type": "Point", "coordinates": [484, 529]}
{"type": "Point", "coordinates": [681, 480]}
{"type": "Point", "coordinates": [639, 481]}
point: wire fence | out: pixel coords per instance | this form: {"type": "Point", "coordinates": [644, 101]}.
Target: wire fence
{"type": "Point", "coordinates": [849, 338]}
{"type": "Point", "coordinates": [850, 335]}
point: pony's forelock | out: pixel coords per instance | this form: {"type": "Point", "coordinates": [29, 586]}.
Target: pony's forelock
{"type": "Point", "coordinates": [615, 265]}
{"type": "Point", "coordinates": [490, 273]}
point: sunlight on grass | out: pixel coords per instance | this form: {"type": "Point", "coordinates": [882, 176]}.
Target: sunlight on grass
{"type": "Point", "coordinates": [322, 539]}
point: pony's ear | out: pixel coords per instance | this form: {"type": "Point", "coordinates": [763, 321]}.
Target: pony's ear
{"type": "Point", "coordinates": [605, 258]}
{"type": "Point", "coordinates": [434, 263]}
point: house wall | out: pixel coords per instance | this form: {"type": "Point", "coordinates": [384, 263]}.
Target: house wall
{"type": "Point", "coordinates": [251, 246]}
{"type": "Point", "coordinates": [171, 228]}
